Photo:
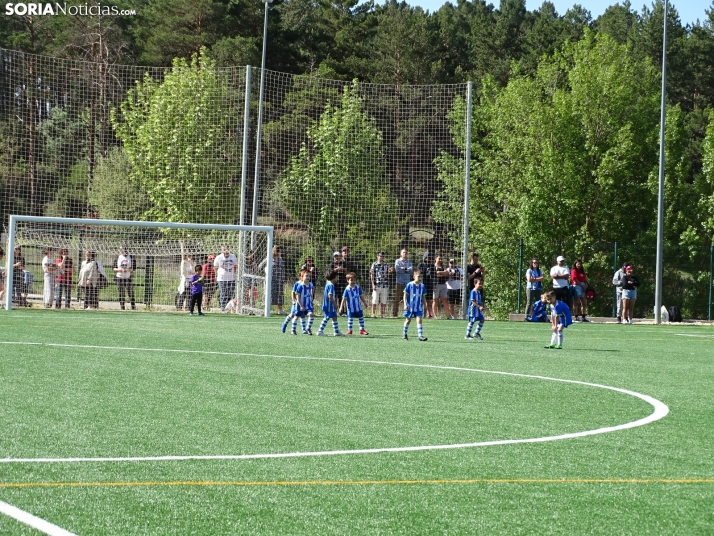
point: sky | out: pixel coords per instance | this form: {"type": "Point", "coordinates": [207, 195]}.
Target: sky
{"type": "Point", "coordinates": [689, 10]}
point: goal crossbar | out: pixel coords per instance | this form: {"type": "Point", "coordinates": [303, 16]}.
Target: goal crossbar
{"type": "Point", "coordinates": [15, 219]}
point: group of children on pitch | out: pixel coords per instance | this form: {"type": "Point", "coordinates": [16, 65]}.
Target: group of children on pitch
{"type": "Point", "coordinates": [414, 306]}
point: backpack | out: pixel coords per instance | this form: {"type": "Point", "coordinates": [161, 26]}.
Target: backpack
{"type": "Point", "coordinates": [675, 315]}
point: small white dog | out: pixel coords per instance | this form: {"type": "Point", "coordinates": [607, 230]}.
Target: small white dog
{"type": "Point", "coordinates": [232, 306]}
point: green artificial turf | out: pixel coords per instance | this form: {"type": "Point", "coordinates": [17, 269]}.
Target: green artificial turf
{"type": "Point", "coordinates": [135, 385]}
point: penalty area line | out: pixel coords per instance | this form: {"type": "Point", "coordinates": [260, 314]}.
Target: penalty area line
{"type": "Point", "coordinates": [33, 521]}
{"type": "Point", "coordinates": [394, 482]}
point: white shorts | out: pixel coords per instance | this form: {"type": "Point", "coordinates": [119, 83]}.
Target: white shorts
{"type": "Point", "coordinates": [379, 296]}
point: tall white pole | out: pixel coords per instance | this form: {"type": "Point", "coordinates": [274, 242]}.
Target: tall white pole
{"type": "Point", "coordinates": [259, 133]}
{"type": "Point", "coordinates": [465, 290]}
{"type": "Point", "coordinates": [246, 135]}
{"type": "Point", "coordinates": [660, 193]}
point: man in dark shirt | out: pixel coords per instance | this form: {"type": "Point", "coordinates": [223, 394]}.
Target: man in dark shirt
{"type": "Point", "coordinates": [474, 270]}
{"type": "Point", "coordinates": [338, 265]}
{"type": "Point", "coordinates": [18, 278]}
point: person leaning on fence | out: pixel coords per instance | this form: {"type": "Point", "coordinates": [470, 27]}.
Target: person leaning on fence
{"type": "Point", "coordinates": [426, 267]}
{"type": "Point", "coordinates": [18, 278]}
{"type": "Point", "coordinates": [2, 274]}
{"type": "Point", "coordinates": [560, 274]}
{"type": "Point", "coordinates": [89, 280]}
{"type": "Point", "coordinates": [123, 271]}
{"type": "Point", "coordinates": [49, 271]}
{"type": "Point", "coordinates": [208, 273]}
{"type": "Point", "coordinates": [65, 278]}
{"type": "Point", "coordinates": [534, 285]}
{"type": "Point", "coordinates": [453, 286]}
{"type": "Point", "coordinates": [403, 269]}
{"type": "Point", "coordinates": [379, 276]}
{"type": "Point", "coordinates": [617, 283]}
{"type": "Point", "coordinates": [225, 265]}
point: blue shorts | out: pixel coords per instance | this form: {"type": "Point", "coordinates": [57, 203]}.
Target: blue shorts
{"type": "Point", "coordinates": [357, 314]}
{"type": "Point", "coordinates": [300, 312]}
{"type": "Point", "coordinates": [579, 291]}
{"type": "Point", "coordinates": [629, 294]}
{"type": "Point", "coordinates": [330, 314]}
{"type": "Point", "coordinates": [476, 317]}
{"type": "Point", "coordinates": [413, 314]}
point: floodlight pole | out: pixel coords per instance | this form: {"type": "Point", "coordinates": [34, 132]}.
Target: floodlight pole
{"type": "Point", "coordinates": [660, 193]}
{"type": "Point", "coordinates": [246, 135]}
{"type": "Point", "coordinates": [259, 133]}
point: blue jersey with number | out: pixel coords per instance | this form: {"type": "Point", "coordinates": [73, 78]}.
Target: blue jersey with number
{"type": "Point", "coordinates": [327, 306]}
{"type": "Point", "coordinates": [475, 314]}
{"type": "Point", "coordinates": [352, 296]}
{"type": "Point", "coordinates": [414, 298]}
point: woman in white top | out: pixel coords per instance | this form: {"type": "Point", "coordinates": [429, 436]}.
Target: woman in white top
{"type": "Point", "coordinates": [49, 269]}
{"type": "Point", "coordinates": [184, 288]}
{"type": "Point", "coordinates": [89, 279]}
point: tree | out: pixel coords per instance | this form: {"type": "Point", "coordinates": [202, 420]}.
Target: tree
{"type": "Point", "coordinates": [708, 169]}
{"type": "Point", "coordinates": [179, 136]}
{"type": "Point", "coordinates": [337, 184]}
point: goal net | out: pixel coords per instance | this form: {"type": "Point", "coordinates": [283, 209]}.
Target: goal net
{"type": "Point", "coordinates": [148, 265]}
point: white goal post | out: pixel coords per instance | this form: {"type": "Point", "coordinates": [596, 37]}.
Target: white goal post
{"type": "Point", "coordinates": [251, 244]}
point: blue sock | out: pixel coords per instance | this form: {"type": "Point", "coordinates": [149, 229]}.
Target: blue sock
{"type": "Point", "coordinates": [335, 326]}
{"type": "Point", "coordinates": [323, 324]}
{"type": "Point", "coordinates": [350, 321]}
{"type": "Point", "coordinates": [406, 327]}
{"type": "Point", "coordinates": [302, 323]}
{"type": "Point", "coordinates": [310, 320]}
{"type": "Point", "coordinates": [361, 323]}
{"type": "Point", "coordinates": [480, 325]}
{"type": "Point", "coordinates": [420, 330]}
{"type": "Point", "coordinates": [469, 327]}
{"type": "Point", "coordinates": [295, 324]}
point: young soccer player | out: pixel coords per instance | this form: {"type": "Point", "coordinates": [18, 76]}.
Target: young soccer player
{"type": "Point", "coordinates": [353, 298]}
{"type": "Point", "coordinates": [302, 305]}
{"type": "Point", "coordinates": [475, 311]}
{"type": "Point", "coordinates": [414, 298]}
{"type": "Point", "coordinates": [196, 283]}
{"type": "Point", "coordinates": [560, 319]}
{"type": "Point", "coordinates": [329, 306]}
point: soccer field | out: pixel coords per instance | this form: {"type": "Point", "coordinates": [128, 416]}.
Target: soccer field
{"type": "Point", "coordinates": [168, 424]}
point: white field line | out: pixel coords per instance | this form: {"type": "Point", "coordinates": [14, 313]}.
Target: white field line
{"type": "Point", "coordinates": [695, 335]}
{"type": "Point", "coordinates": [660, 411]}
{"type": "Point", "coordinates": [33, 521]}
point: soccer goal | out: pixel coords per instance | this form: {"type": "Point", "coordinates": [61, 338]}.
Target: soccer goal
{"type": "Point", "coordinates": [146, 264]}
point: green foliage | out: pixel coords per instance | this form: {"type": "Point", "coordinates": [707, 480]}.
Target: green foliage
{"type": "Point", "coordinates": [708, 172]}
{"type": "Point", "coordinates": [179, 141]}
{"type": "Point", "coordinates": [337, 182]}
{"type": "Point", "coordinates": [114, 194]}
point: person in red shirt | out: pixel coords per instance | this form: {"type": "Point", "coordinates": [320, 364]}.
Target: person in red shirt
{"type": "Point", "coordinates": [580, 284]}
{"type": "Point", "coordinates": [65, 272]}
{"type": "Point", "coordinates": [208, 273]}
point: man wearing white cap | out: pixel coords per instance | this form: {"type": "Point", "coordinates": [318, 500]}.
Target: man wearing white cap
{"type": "Point", "coordinates": [560, 273]}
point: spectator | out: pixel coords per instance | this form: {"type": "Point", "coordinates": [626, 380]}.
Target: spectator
{"type": "Point", "coordinates": [403, 269]}
{"type": "Point", "coordinates": [277, 296]}
{"type": "Point", "coordinates": [453, 287]}
{"type": "Point", "coordinates": [89, 274]}
{"type": "Point", "coordinates": [124, 272]}
{"type": "Point", "coordinates": [183, 298]}
{"type": "Point", "coordinates": [629, 294]}
{"type": "Point", "coordinates": [2, 274]}
{"type": "Point", "coordinates": [49, 270]}
{"type": "Point", "coordinates": [18, 278]}
{"type": "Point", "coordinates": [208, 272]}
{"type": "Point", "coordinates": [310, 268]}
{"type": "Point", "coordinates": [441, 276]}
{"type": "Point", "coordinates": [534, 285]}
{"type": "Point", "coordinates": [559, 274]}
{"type": "Point", "coordinates": [250, 289]}
{"type": "Point", "coordinates": [580, 285]}
{"type": "Point", "coordinates": [65, 276]}
{"type": "Point", "coordinates": [379, 275]}
{"type": "Point", "coordinates": [617, 283]}
{"type": "Point", "coordinates": [474, 270]}
{"type": "Point", "coordinates": [225, 265]}
{"type": "Point", "coordinates": [426, 267]}
{"type": "Point", "coordinates": [350, 264]}
{"type": "Point", "coordinates": [338, 265]}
